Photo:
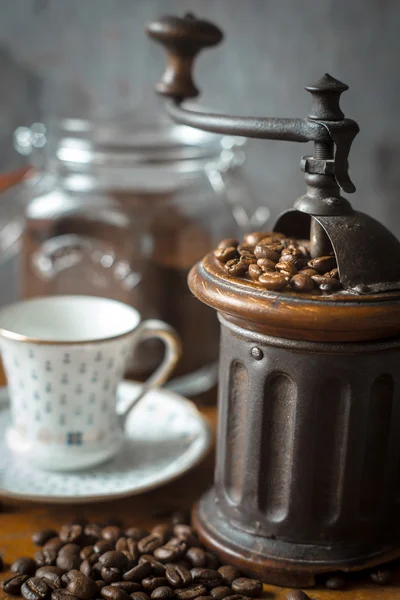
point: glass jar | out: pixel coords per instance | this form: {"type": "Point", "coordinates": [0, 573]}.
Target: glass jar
{"type": "Point", "coordinates": [123, 209]}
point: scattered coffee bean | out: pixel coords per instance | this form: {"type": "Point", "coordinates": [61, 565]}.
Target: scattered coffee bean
{"type": "Point", "coordinates": [164, 531]}
{"type": "Point", "coordinates": [54, 544]}
{"type": "Point", "coordinates": [247, 587]}
{"type": "Point", "coordinates": [322, 264]}
{"type": "Point", "coordinates": [100, 583]}
{"type": "Point", "coordinates": [41, 537]}
{"type": "Point", "coordinates": [102, 546]}
{"type": "Point", "coordinates": [128, 586]}
{"type": "Point", "coordinates": [381, 576]}
{"type": "Point", "coordinates": [178, 576]}
{"type": "Point", "coordinates": [212, 561]}
{"type": "Point", "coordinates": [163, 593]}
{"type": "Point", "coordinates": [126, 544]}
{"type": "Point", "coordinates": [272, 280]}
{"type": "Point", "coordinates": [52, 575]}
{"type": "Point", "coordinates": [225, 254]}
{"type": "Point", "coordinates": [229, 574]}
{"type": "Point", "coordinates": [71, 534]}
{"type": "Point", "coordinates": [83, 588]}
{"type": "Point", "coordinates": [92, 530]}
{"type": "Point", "coordinates": [197, 557]}
{"type": "Point", "coordinates": [61, 594]}
{"type": "Point", "coordinates": [111, 574]}
{"type": "Point", "coordinates": [297, 595]}
{"type": "Point", "coordinates": [45, 557]}
{"type": "Point", "coordinates": [149, 544]}
{"type": "Point", "coordinates": [205, 597]}
{"type": "Point", "coordinates": [136, 533]}
{"type": "Point", "coordinates": [87, 567]}
{"type": "Point", "coordinates": [221, 592]}
{"type": "Point", "coordinates": [86, 552]}
{"type": "Point", "coordinates": [208, 577]}
{"type": "Point", "coordinates": [112, 533]}
{"type": "Point", "coordinates": [191, 592]}
{"type": "Point", "coordinates": [113, 558]}
{"type": "Point", "coordinates": [139, 572]}
{"type": "Point", "coordinates": [336, 582]}
{"type": "Point", "coordinates": [35, 588]}
{"type": "Point", "coordinates": [140, 596]}
{"type": "Point", "coordinates": [110, 592]}
{"type": "Point", "coordinates": [158, 569]}
{"type": "Point", "coordinates": [228, 242]}
{"type": "Point", "coordinates": [69, 549]}
{"type": "Point", "coordinates": [302, 283]}
{"type": "Point", "coordinates": [151, 583]}
{"type": "Point", "coordinates": [24, 566]}
{"type": "Point", "coordinates": [68, 561]}
{"type": "Point", "coordinates": [171, 552]}
{"type": "Point", "coordinates": [236, 267]}
{"type": "Point", "coordinates": [13, 584]}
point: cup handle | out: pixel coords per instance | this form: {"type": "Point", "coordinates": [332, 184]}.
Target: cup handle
{"type": "Point", "coordinates": [153, 328]}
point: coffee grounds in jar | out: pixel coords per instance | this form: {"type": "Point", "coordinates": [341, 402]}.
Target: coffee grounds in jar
{"type": "Point", "coordinates": [279, 263]}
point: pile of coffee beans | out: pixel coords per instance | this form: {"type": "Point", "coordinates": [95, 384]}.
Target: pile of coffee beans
{"type": "Point", "coordinates": [277, 263]}
{"type": "Point", "coordinates": [85, 561]}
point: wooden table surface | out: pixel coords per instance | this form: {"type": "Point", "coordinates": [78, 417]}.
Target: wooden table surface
{"type": "Point", "coordinates": [18, 521]}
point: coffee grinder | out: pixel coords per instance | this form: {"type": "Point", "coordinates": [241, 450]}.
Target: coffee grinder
{"type": "Point", "coordinates": [307, 469]}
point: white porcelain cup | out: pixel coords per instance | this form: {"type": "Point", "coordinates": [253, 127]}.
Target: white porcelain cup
{"type": "Point", "coordinates": [64, 357]}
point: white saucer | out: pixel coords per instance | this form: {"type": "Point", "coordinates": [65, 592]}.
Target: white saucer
{"type": "Point", "coordinates": [165, 437]}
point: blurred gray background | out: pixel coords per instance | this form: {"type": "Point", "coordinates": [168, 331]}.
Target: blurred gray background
{"type": "Point", "coordinates": [91, 58]}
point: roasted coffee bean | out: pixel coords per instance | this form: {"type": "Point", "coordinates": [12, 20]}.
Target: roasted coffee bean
{"type": "Point", "coordinates": [126, 544]}
{"type": "Point", "coordinates": [178, 576]}
{"type": "Point", "coordinates": [139, 572]}
{"type": "Point", "coordinates": [113, 593]}
{"type": "Point", "coordinates": [228, 242]}
{"type": "Point", "coordinates": [157, 568]}
{"type": "Point", "coordinates": [45, 557]}
{"type": "Point", "coordinates": [87, 568]}
{"type": "Point", "coordinates": [333, 285]}
{"type": "Point", "coordinates": [69, 549]}
{"type": "Point", "coordinates": [52, 575]}
{"type": "Point", "coordinates": [247, 587]}
{"type": "Point", "coordinates": [68, 561]}
{"type": "Point", "coordinates": [111, 574]}
{"type": "Point", "coordinates": [272, 280]}
{"type": "Point", "coordinates": [13, 584]}
{"type": "Point", "coordinates": [195, 571]}
{"type": "Point", "coordinates": [140, 596]}
{"type": "Point", "coordinates": [239, 597]}
{"type": "Point", "coordinates": [197, 557]}
{"type": "Point", "coordinates": [151, 583]}
{"type": "Point", "coordinates": [113, 559]}
{"type": "Point", "coordinates": [71, 534]}
{"type": "Point", "coordinates": [266, 265]}
{"type": "Point", "coordinates": [264, 251]}
{"type": "Point", "coordinates": [255, 237]}
{"type": "Point", "coordinates": [286, 268]}
{"type": "Point", "coordinates": [255, 271]}
{"type": "Point", "coordinates": [96, 570]}
{"type": "Point", "coordinates": [334, 273]}
{"type": "Point", "coordinates": [149, 544]}
{"type": "Point", "coordinates": [297, 595]}
{"type": "Point", "coordinates": [92, 530]}
{"type": "Point", "coordinates": [336, 582]}
{"type": "Point", "coordinates": [301, 283]}
{"type": "Point", "coordinates": [62, 594]}
{"type": "Point", "coordinates": [381, 576]}
{"type": "Point", "coordinates": [83, 588]}
{"type": "Point", "coordinates": [229, 574]}
{"type": "Point", "coordinates": [221, 592]}
{"type": "Point", "coordinates": [35, 588]}
{"type": "Point", "coordinates": [208, 577]}
{"type": "Point", "coordinates": [225, 254]}
{"type": "Point", "coordinates": [136, 533]}
{"type": "Point", "coordinates": [163, 593]}
{"type": "Point", "coordinates": [171, 552]}
{"type": "Point", "coordinates": [322, 264]}
{"type": "Point", "coordinates": [54, 544]}
{"type": "Point", "coordinates": [236, 267]}
{"type": "Point", "coordinates": [24, 565]}
{"type": "Point", "coordinates": [41, 537]}
{"type": "Point", "coordinates": [191, 592]}
{"type": "Point", "coordinates": [205, 597]}
{"type": "Point", "coordinates": [309, 272]}
{"type": "Point", "coordinates": [102, 546]}
{"type": "Point", "coordinates": [164, 531]}
{"type": "Point", "coordinates": [111, 533]}
{"type": "Point", "coordinates": [186, 533]}
{"type": "Point", "coordinates": [86, 552]}
{"type": "Point", "coordinates": [128, 586]}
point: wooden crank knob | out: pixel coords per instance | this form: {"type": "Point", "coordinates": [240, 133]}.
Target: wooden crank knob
{"type": "Point", "coordinates": [183, 39]}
